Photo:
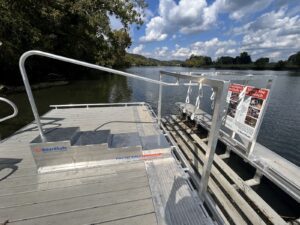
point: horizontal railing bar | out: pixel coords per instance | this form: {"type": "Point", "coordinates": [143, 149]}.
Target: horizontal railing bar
{"type": "Point", "coordinates": [97, 104]}
{"type": "Point", "coordinates": [247, 77]}
{"type": "Point", "coordinates": [216, 76]}
{"type": "Point", "coordinates": [207, 81]}
{"type": "Point", "coordinates": [89, 65]}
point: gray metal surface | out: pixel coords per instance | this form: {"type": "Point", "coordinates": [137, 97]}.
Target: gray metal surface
{"type": "Point", "coordinates": [92, 137]}
{"type": "Point", "coordinates": [91, 105]}
{"type": "Point", "coordinates": [117, 192]}
{"type": "Point", "coordinates": [175, 202]}
{"type": "Point", "coordinates": [220, 88]}
{"type": "Point", "coordinates": [58, 134]}
{"type": "Point", "coordinates": [154, 142]}
{"type": "Point", "coordinates": [219, 106]}
{"type": "Point", "coordinates": [124, 140]}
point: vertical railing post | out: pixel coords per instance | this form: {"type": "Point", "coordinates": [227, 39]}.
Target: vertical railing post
{"type": "Point", "coordinates": [220, 100]}
{"type": "Point", "coordinates": [159, 100]}
{"type": "Point", "coordinates": [30, 96]}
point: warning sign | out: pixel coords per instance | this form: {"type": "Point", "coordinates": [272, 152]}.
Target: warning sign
{"type": "Point", "coordinates": [245, 106]}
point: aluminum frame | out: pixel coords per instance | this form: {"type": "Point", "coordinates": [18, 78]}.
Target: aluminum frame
{"type": "Point", "coordinates": [220, 87]}
{"type": "Point", "coordinates": [101, 68]}
{"type": "Point", "coordinates": [15, 108]}
{"type": "Point", "coordinates": [270, 79]}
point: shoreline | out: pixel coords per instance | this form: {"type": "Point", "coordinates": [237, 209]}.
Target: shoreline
{"type": "Point", "coordinates": [229, 67]}
{"type": "Point", "coordinates": [6, 89]}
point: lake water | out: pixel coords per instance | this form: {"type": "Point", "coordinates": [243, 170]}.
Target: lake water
{"type": "Point", "coordinates": [280, 130]}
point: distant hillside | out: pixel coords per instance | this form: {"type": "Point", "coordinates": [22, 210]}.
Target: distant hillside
{"type": "Point", "coordinates": [139, 60]}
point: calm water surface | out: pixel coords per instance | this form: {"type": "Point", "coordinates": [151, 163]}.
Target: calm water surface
{"type": "Point", "coordinates": [280, 130]}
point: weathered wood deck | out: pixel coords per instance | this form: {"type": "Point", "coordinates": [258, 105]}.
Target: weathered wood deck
{"type": "Point", "coordinates": [282, 172]}
{"type": "Point", "coordinates": [144, 192]}
{"type": "Point", "coordinates": [237, 200]}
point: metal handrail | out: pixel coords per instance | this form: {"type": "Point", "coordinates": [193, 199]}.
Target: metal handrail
{"type": "Point", "coordinates": [220, 87]}
{"type": "Point", "coordinates": [205, 81]}
{"type": "Point", "coordinates": [14, 114]}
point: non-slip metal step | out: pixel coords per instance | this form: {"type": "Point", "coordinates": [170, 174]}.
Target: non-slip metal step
{"type": "Point", "coordinates": [154, 142]}
{"type": "Point", "coordinates": [92, 138]}
{"type": "Point", "coordinates": [58, 134]}
{"type": "Point", "coordinates": [124, 140]}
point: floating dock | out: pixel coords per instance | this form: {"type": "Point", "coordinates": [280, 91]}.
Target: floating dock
{"type": "Point", "coordinates": [135, 180]}
{"type": "Point", "coordinates": [121, 164]}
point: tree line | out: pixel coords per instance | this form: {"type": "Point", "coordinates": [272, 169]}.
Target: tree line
{"type": "Point", "coordinates": [243, 61]}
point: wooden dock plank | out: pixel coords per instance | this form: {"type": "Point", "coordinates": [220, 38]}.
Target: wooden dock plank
{"type": "Point", "coordinates": [282, 172]}
{"type": "Point", "coordinates": [215, 190]}
{"type": "Point", "coordinates": [254, 197]}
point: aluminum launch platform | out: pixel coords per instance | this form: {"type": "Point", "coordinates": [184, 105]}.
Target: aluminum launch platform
{"type": "Point", "coordinates": [135, 180]}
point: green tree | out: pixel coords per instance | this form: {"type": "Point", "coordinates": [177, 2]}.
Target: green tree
{"type": "Point", "coordinates": [280, 65]}
{"type": "Point", "coordinates": [197, 61]}
{"type": "Point", "coordinates": [261, 62]}
{"type": "Point", "coordinates": [226, 60]}
{"type": "Point", "coordinates": [295, 59]}
{"type": "Point", "coordinates": [78, 29]}
{"type": "Point", "coordinates": [244, 58]}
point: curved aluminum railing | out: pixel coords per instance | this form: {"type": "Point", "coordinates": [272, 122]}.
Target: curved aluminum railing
{"type": "Point", "coordinates": [196, 79]}
{"type": "Point", "coordinates": [220, 87]}
{"type": "Point", "coordinates": [15, 113]}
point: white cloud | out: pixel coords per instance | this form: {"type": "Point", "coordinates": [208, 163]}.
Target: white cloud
{"type": "Point", "coordinates": [192, 16]}
{"type": "Point", "coordinates": [186, 17]}
{"type": "Point", "coordinates": [213, 48]}
{"type": "Point", "coordinates": [138, 49]}
{"type": "Point", "coordinates": [181, 53]}
{"type": "Point", "coordinates": [273, 34]}
{"type": "Point", "coordinates": [231, 51]}
{"type": "Point", "coordinates": [238, 9]}
{"type": "Point", "coordinates": [161, 51]}
{"type": "Point", "coordinates": [155, 30]}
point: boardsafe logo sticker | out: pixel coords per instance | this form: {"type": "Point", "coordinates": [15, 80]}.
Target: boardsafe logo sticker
{"type": "Point", "coordinates": [50, 149]}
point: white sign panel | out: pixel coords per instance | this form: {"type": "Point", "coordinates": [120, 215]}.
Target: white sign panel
{"type": "Point", "coordinates": [244, 111]}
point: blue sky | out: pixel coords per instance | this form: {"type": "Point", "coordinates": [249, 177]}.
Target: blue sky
{"type": "Point", "coordinates": [175, 29]}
